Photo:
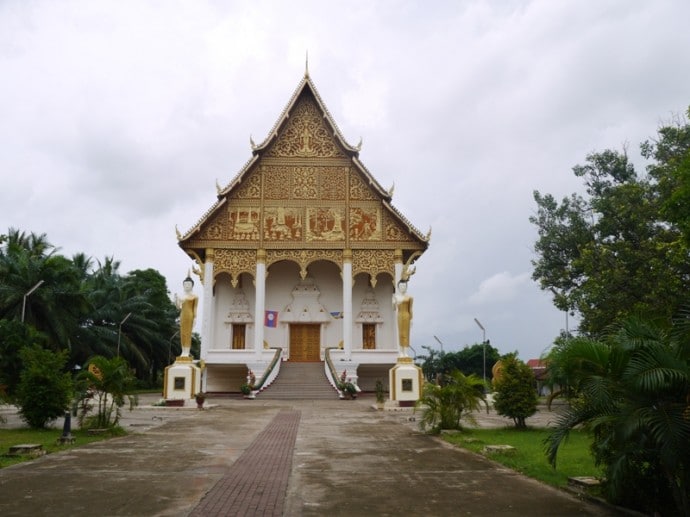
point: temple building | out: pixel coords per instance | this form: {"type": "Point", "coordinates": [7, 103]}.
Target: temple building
{"type": "Point", "coordinates": [299, 259]}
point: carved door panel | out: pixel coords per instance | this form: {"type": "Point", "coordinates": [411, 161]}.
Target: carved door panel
{"type": "Point", "coordinates": [305, 342]}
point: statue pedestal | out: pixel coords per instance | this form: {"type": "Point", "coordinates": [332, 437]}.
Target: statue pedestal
{"type": "Point", "coordinates": [182, 380]}
{"type": "Point", "coordinates": [405, 382]}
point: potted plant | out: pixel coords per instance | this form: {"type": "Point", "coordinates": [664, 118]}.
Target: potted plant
{"type": "Point", "coordinates": [200, 398]}
{"type": "Point", "coordinates": [347, 387]}
{"type": "Point", "coordinates": [245, 389]}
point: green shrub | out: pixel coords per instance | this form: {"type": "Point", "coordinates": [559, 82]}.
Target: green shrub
{"type": "Point", "coordinates": [44, 390]}
{"type": "Point", "coordinates": [444, 406]}
{"type": "Point", "coordinates": [516, 395]}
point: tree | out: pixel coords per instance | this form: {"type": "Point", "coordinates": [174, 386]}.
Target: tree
{"type": "Point", "coordinates": [671, 169]}
{"type": "Point", "coordinates": [109, 383]}
{"type": "Point", "coordinates": [445, 405]}
{"type": "Point", "coordinates": [14, 337]}
{"type": "Point", "coordinates": [469, 360]}
{"type": "Point", "coordinates": [56, 307]}
{"type": "Point", "coordinates": [610, 254]}
{"type": "Point", "coordinates": [45, 390]}
{"type": "Point", "coordinates": [633, 398]}
{"type": "Point", "coordinates": [515, 394]}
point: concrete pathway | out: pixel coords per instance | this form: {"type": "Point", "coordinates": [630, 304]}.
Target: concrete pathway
{"type": "Point", "coordinates": [313, 458]}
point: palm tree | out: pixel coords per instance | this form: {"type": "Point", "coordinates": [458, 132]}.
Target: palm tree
{"type": "Point", "coordinates": [445, 405]}
{"type": "Point", "coordinates": [55, 308]}
{"type": "Point", "coordinates": [634, 394]}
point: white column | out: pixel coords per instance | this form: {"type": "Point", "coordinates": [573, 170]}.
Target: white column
{"type": "Point", "coordinates": [398, 265]}
{"type": "Point", "coordinates": [347, 304]}
{"type": "Point", "coordinates": [209, 306]}
{"type": "Point", "coordinates": [260, 302]}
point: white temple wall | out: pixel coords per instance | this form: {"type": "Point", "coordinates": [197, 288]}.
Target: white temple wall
{"type": "Point", "coordinates": [383, 292]}
{"type": "Point", "coordinates": [282, 277]}
{"type": "Point", "coordinates": [224, 295]}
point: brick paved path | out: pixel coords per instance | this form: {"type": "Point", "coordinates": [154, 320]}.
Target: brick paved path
{"type": "Point", "coordinates": [256, 483]}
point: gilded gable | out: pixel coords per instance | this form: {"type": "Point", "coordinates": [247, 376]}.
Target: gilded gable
{"type": "Point", "coordinates": [305, 134]}
{"type": "Point", "coordinates": [303, 189]}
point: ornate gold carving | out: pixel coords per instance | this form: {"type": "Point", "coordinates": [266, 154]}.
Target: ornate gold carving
{"type": "Point", "coordinates": [373, 262]}
{"type": "Point", "coordinates": [306, 134]}
{"type": "Point", "coordinates": [235, 262]}
{"type": "Point", "coordinates": [365, 224]}
{"type": "Point", "coordinates": [305, 183]}
{"type": "Point", "coordinates": [332, 183]}
{"type": "Point", "coordinates": [393, 231]}
{"type": "Point", "coordinates": [283, 224]}
{"type": "Point", "coordinates": [325, 224]}
{"type": "Point", "coordinates": [244, 223]}
{"type": "Point", "coordinates": [250, 188]}
{"type": "Point", "coordinates": [360, 191]}
{"type": "Point", "coordinates": [277, 182]}
{"type": "Point", "coordinates": [304, 257]}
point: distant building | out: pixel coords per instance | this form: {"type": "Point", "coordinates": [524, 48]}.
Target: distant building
{"type": "Point", "coordinates": [540, 374]}
{"type": "Point", "coordinates": [299, 257]}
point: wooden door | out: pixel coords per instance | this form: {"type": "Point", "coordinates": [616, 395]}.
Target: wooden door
{"type": "Point", "coordinates": [305, 342]}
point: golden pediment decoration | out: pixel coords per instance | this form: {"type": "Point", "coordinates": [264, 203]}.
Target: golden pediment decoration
{"type": "Point", "coordinates": [305, 134]}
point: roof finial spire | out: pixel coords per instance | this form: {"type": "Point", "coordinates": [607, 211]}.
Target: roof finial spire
{"type": "Point", "coordinates": [306, 65]}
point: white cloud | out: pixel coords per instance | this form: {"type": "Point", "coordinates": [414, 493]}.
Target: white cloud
{"type": "Point", "coordinates": [501, 287]}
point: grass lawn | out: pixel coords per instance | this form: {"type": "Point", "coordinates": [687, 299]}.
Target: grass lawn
{"type": "Point", "coordinates": [46, 437]}
{"type": "Point", "coordinates": [529, 458]}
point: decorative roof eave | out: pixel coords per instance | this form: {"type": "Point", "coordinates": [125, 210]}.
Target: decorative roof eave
{"type": "Point", "coordinates": [238, 177]}
{"type": "Point", "coordinates": [385, 194]}
{"type": "Point", "coordinates": [197, 227]}
{"type": "Point", "coordinates": [424, 239]}
{"type": "Point", "coordinates": [304, 83]}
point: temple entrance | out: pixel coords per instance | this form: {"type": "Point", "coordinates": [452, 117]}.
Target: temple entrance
{"type": "Point", "coordinates": [305, 342]}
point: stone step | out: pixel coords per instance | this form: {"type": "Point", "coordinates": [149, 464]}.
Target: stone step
{"type": "Point", "coordinates": [300, 381]}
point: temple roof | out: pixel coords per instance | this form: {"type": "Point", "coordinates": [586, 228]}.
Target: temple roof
{"type": "Point", "coordinates": [342, 150]}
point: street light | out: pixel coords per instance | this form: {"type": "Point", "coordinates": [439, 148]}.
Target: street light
{"type": "Point", "coordinates": [483, 345]}
{"type": "Point", "coordinates": [40, 282]}
{"type": "Point", "coordinates": [439, 342]}
{"type": "Point", "coordinates": [119, 333]}
{"type": "Point", "coordinates": [170, 345]}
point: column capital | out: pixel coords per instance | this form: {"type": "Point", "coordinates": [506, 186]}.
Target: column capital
{"type": "Point", "coordinates": [398, 256]}
{"type": "Point", "coordinates": [261, 255]}
{"type": "Point", "coordinates": [210, 254]}
{"type": "Point", "coordinates": [347, 255]}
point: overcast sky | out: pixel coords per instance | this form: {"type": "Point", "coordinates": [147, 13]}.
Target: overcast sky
{"type": "Point", "coordinates": [117, 119]}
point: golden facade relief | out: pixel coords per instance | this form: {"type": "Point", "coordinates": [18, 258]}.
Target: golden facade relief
{"type": "Point", "coordinates": [244, 223]}
{"type": "Point", "coordinates": [359, 191]}
{"type": "Point", "coordinates": [282, 224]}
{"type": "Point", "coordinates": [304, 257]}
{"type": "Point", "coordinates": [373, 262]}
{"type": "Point", "coordinates": [393, 231]}
{"type": "Point", "coordinates": [250, 188]}
{"type": "Point", "coordinates": [284, 182]}
{"type": "Point", "coordinates": [305, 183]}
{"type": "Point", "coordinates": [305, 134]}
{"type": "Point", "coordinates": [365, 224]}
{"type": "Point", "coordinates": [326, 224]}
{"type": "Point", "coordinates": [234, 262]}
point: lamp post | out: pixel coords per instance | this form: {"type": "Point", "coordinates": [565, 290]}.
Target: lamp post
{"type": "Point", "coordinates": [483, 346]}
{"type": "Point", "coordinates": [170, 344]}
{"type": "Point", "coordinates": [439, 342]}
{"type": "Point", "coordinates": [119, 332]}
{"type": "Point", "coordinates": [40, 282]}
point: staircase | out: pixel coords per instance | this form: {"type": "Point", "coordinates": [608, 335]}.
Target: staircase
{"type": "Point", "coordinates": [300, 381]}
